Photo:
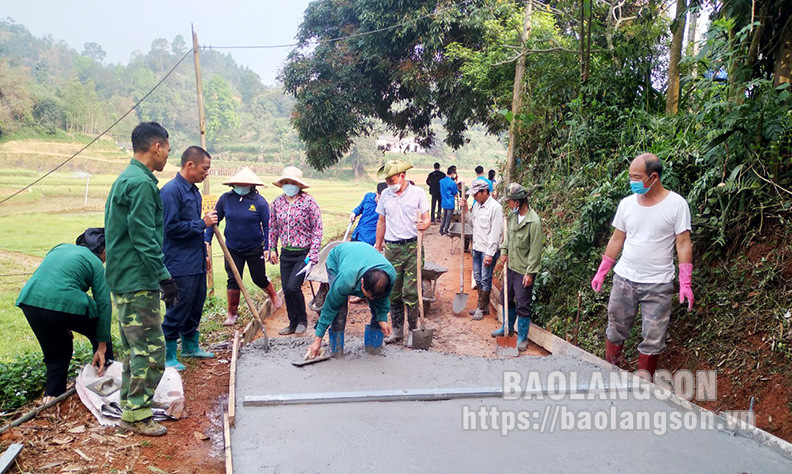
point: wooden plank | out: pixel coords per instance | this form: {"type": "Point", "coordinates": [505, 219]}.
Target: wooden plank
{"type": "Point", "coordinates": [232, 379]}
{"type": "Point", "coordinates": [248, 333]}
{"type": "Point", "coordinates": [8, 456]}
{"type": "Point", "coordinates": [227, 445]}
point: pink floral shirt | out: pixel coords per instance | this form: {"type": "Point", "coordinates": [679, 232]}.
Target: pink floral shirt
{"type": "Point", "coordinates": [296, 224]}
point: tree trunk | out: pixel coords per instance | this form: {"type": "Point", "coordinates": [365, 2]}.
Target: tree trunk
{"type": "Point", "coordinates": [675, 55]}
{"type": "Point", "coordinates": [519, 74]}
{"type": "Point", "coordinates": [692, 48]}
{"type": "Point", "coordinates": [783, 67]}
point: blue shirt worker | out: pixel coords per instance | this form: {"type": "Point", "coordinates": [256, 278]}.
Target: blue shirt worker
{"type": "Point", "coordinates": [366, 230]}
{"type": "Point", "coordinates": [354, 269]}
{"type": "Point", "coordinates": [185, 255]}
{"type": "Point", "coordinates": [247, 216]}
{"type": "Point", "coordinates": [480, 175]}
{"type": "Point", "coordinates": [448, 193]}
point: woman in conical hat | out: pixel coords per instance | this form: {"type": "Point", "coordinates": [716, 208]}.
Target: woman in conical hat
{"type": "Point", "coordinates": [296, 222]}
{"type": "Point", "coordinates": [246, 232]}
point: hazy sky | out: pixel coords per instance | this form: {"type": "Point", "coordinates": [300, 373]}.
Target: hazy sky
{"type": "Point", "coordinates": [123, 26]}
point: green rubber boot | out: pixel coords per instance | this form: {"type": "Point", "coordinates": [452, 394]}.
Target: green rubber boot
{"type": "Point", "coordinates": [512, 318]}
{"type": "Point", "coordinates": [523, 325]}
{"type": "Point", "coordinates": [170, 354]}
{"type": "Point", "coordinates": [190, 348]}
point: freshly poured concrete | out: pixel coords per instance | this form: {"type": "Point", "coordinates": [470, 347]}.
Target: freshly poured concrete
{"type": "Point", "coordinates": [429, 436]}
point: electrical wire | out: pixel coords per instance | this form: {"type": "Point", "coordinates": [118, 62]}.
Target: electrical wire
{"type": "Point", "coordinates": [101, 134]}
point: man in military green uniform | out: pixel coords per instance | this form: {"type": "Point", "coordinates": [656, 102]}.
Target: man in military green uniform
{"type": "Point", "coordinates": [399, 207]}
{"type": "Point", "coordinates": [136, 273]}
{"type": "Point", "coordinates": [521, 252]}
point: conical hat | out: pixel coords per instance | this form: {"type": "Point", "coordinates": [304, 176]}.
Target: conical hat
{"type": "Point", "coordinates": [245, 176]}
{"type": "Point", "coordinates": [392, 167]}
{"type": "Point", "coordinates": [291, 173]}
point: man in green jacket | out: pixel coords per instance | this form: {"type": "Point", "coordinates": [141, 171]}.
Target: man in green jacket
{"type": "Point", "coordinates": [522, 256]}
{"type": "Point", "coordinates": [136, 273]}
{"type": "Point", "coordinates": [354, 268]}
{"type": "Point", "coordinates": [55, 302]}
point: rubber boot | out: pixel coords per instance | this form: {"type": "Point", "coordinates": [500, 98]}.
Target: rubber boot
{"type": "Point", "coordinates": [397, 320]}
{"type": "Point", "coordinates": [170, 354]}
{"type": "Point", "coordinates": [190, 348]}
{"type": "Point", "coordinates": [336, 343]}
{"type": "Point", "coordinates": [613, 352]}
{"type": "Point", "coordinates": [647, 365]}
{"type": "Point", "coordinates": [523, 324]}
{"type": "Point", "coordinates": [478, 313]}
{"type": "Point", "coordinates": [233, 307]}
{"type": "Point", "coordinates": [512, 318]}
{"type": "Point", "coordinates": [485, 302]}
{"type": "Point", "coordinates": [478, 301]}
{"type": "Point", "coordinates": [276, 300]}
{"type": "Point", "coordinates": [412, 317]}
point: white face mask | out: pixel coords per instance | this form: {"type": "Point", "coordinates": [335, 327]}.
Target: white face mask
{"type": "Point", "coordinates": [394, 187]}
{"type": "Point", "coordinates": [291, 190]}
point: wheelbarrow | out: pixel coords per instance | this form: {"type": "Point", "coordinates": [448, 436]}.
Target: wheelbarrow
{"type": "Point", "coordinates": [429, 275]}
{"type": "Point", "coordinates": [455, 231]}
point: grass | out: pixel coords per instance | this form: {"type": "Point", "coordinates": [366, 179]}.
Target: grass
{"type": "Point", "coordinates": [54, 212]}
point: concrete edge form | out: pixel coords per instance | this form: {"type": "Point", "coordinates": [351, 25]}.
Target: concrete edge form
{"type": "Point", "coordinates": [555, 345]}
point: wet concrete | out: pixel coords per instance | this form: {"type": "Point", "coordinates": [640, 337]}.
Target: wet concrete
{"type": "Point", "coordinates": [429, 436]}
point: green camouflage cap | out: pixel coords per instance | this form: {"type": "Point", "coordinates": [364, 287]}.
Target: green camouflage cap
{"type": "Point", "coordinates": [516, 192]}
{"type": "Point", "coordinates": [392, 167]}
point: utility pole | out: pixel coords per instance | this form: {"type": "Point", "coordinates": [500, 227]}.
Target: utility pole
{"type": "Point", "coordinates": [202, 126]}
{"type": "Point", "coordinates": [519, 74]}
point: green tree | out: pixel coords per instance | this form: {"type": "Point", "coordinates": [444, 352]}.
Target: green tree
{"type": "Point", "coordinates": [220, 107]}
{"type": "Point", "coordinates": [94, 51]}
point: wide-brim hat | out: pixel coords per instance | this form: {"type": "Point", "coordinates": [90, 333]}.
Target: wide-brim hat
{"type": "Point", "coordinates": [516, 192]}
{"type": "Point", "coordinates": [245, 176]}
{"type": "Point", "coordinates": [476, 186]}
{"type": "Point", "coordinates": [392, 167]}
{"type": "Point", "coordinates": [291, 173]}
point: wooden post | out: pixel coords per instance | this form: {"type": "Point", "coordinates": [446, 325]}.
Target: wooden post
{"type": "Point", "coordinates": [202, 127]}
{"type": "Point", "coordinates": [519, 74]}
{"type": "Point", "coordinates": [238, 278]}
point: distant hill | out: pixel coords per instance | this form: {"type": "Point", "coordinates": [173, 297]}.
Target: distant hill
{"type": "Point", "coordinates": [50, 91]}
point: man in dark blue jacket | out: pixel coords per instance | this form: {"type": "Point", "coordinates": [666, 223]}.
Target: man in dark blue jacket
{"type": "Point", "coordinates": [185, 254]}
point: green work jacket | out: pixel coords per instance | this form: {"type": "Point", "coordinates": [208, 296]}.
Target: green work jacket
{"type": "Point", "coordinates": [60, 284]}
{"type": "Point", "coordinates": [133, 232]}
{"type": "Point", "coordinates": [346, 265]}
{"type": "Point", "coordinates": [524, 243]}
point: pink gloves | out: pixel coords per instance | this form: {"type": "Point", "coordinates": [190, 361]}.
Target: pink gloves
{"type": "Point", "coordinates": [685, 282]}
{"type": "Point", "coordinates": [604, 268]}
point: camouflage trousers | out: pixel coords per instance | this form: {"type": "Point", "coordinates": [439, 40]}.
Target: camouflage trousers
{"type": "Point", "coordinates": [404, 258]}
{"type": "Point", "coordinates": [144, 345]}
{"type": "Point", "coordinates": [654, 300]}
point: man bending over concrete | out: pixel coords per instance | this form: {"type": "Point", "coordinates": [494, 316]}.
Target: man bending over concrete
{"type": "Point", "coordinates": [354, 269]}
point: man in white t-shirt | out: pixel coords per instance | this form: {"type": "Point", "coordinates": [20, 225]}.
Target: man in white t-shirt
{"type": "Point", "coordinates": [397, 229]}
{"type": "Point", "coordinates": [647, 227]}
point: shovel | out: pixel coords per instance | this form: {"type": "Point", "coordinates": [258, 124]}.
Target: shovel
{"type": "Point", "coordinates": [346, 234]}
{"type": "Point", "coordinates": [506, 345]}
{"type": "Point", "coordinates": [461, 298]}
{"type": "Point", "coordinates": [420, 338]}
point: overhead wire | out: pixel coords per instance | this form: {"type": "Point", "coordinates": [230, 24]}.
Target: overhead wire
{"type": "Point", "coordinates": [210, 47]}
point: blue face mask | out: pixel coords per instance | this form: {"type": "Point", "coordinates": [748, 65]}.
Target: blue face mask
{"type": "Point", "coordinates": [291, 190]}
{"type": "Point", "coordinates": [241, 190]}
{"type": "Point", "coordinates": [638, 187]}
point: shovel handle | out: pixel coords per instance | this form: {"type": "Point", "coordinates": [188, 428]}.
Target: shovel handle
{"type": "Point", "coordinates": [238, 278]}
{"type": "Point", "coordinates": [462, 251]}
{"type": "Point", "coordinates": [505, 280]}
{"type": "Point", "coordinates": [347, 231]}
{"type": "Point", "coordinates": [419, 270]}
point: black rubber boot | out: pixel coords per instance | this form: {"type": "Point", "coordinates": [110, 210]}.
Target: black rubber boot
{"type": "Point", "coordinates": [397, 321]}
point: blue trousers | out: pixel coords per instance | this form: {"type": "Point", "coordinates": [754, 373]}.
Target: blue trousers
{"type": "Point", "coordinates": [482, 273]}
{"type": "Point", "coordinates": [183, 318]}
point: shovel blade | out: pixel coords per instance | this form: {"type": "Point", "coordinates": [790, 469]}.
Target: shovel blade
{"type": "Point", "coordinates": [506, 346]}
{"type": "Point", "coordinates": [460, 301]}
{"type": "Point", "coordinates": [420, 339]}
{"type": "Point", "coordinates": [372, 340]}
